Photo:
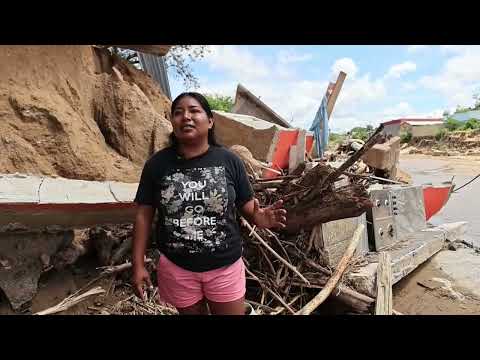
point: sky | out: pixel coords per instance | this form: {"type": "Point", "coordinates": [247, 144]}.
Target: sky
{"type": "Point", "coordinates": [382, 83]}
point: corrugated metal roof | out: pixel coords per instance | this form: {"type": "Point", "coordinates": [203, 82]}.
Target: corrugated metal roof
{"type": "Point", "coordinates": [156, 67]}
{"type": "Point", "coordinates": [413, 120]}
{"type": "Point", "coordinates": [474, 114]}
{"type": "Point", "coordinates": [423, 123]}
{"type": "Point", "coordinates": [159, 50]}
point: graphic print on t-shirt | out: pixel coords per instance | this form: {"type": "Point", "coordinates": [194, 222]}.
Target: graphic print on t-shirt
{"type": "Point", "coordinates": [195, 204]}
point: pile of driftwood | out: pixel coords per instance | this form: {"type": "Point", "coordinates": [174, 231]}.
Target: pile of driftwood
{"type": "Point", "coordinates": [284, 269]}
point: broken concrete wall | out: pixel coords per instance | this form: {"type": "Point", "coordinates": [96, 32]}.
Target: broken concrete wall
{"type": "Point", "coordinates": [248, 104]}
{"type": "Point", "coordinates": [258, 136]}
{"type": "Point", "coordinates": [335, 237]}
{"type": "Point", "coordinates": [425, 130]}
{"type": "Point", "coordinates": [383, 156]}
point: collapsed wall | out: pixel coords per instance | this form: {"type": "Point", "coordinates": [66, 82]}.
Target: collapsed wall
{"type": "Point", "coordinates": [77, 112]}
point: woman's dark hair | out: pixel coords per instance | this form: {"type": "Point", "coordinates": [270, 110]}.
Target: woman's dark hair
{"type": "Point", "coordinates": [205, 106]}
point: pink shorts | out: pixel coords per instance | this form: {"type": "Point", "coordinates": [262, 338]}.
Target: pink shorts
{"type": "Point", "coordinates": [183, 288]}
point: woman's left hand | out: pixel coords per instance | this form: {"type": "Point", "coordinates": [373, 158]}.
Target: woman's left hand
{"type": "Point", "coordinates": [273, 216]}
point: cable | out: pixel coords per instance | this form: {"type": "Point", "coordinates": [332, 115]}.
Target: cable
{"type": "Point", "coordinates": [476, 177]}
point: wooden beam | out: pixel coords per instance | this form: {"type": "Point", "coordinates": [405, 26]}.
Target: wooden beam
{"type": "Point", "coordinates": [383, 304]}
{"type": "Point", "coordinates": [333, 281]}
{"type": "Point", "coordinates": [336, 90]}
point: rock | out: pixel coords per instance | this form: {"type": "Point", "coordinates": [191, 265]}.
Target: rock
{"type": "Point", "coordinates": [439, 153]}
{"type": "Point", "coordinates": [431, 284]}
{"type": "Point", "coordinates": [453, 246]}
{"type": "Point", "coordinates": [79, 246]}
{"type": "Point", "coordinates": [27, 254]}
{"type": "Point", "coordinates": [447, 290]}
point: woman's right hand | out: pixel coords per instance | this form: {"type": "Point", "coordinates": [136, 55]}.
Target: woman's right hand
{"type": "Point", "coordinates": [140, 278]}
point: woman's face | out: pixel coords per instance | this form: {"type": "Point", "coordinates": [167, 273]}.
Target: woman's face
{"type": "Point", "coordinates": [190, 122]}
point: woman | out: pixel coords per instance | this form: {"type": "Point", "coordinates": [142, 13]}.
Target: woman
{"type": "Point", "coordinates": [196, 187]}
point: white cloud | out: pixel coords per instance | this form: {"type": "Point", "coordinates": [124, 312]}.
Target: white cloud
{"type": "Point", "coordinates": [237, 61]}
{"type": "Point", "coordinates": [290, 57]}
{"type": "Point", "coordinates": [276, 81]}
{"type": "Point", "coordinates": [401, 109]}
{"type": "Point", "coordinates": [416, 48]}
{"type": "Point", "coordinates": [458, 49]}
{"type": "Point", "coordinates": [357, 92]}
{"type": "Point", "coordinates": [398, 70]}
{"type": "Point", "coordinates": [459, 78]}
{"type": "Point", "coordinates": [409, 86]}
{"type": "Point", "coordinates": [346, 65]}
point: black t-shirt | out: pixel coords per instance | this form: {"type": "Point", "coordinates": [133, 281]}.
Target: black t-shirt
{"type": "Point", "coordinates": [196, 201]}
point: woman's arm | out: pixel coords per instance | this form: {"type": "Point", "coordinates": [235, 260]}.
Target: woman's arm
{"type": "Point", "coordinates": [143, 225]}
{"type": "Point", "coordinates": [273, 216]}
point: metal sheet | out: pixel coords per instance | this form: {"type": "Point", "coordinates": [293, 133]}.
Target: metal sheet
{"type": "Point", "coordinates": [398, 212]}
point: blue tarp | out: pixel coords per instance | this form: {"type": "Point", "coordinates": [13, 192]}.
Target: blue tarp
{"type": "Point", "coordinates": [320, 127]}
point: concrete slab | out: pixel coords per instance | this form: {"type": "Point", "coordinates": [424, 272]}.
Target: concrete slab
{"type": "Point", "coordinates": [463, 266]}
{"type": "Point", "coordinates": [406, 256]}
{"type": "Point", "coordinates": [66, 191]}
{"type": "Point", "coordinates": [19, 188]}
{"type": "Point", "coordinates": [453, 231]}
{"type": "Point", "coordinates": [30, 202]}
{"type": "Point", "coordinates": [123, 192]}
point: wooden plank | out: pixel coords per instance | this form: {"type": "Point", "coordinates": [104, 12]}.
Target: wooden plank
{"type": "Point", "coordinates": [336, 90]}
{"type": "Point", "coordinates": [383, 304]}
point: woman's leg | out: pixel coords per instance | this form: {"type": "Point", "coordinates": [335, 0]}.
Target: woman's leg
{"type": "Point", "coordinates": [236, 307]}
{"type": "Point", "coordinates": [224, 289]}
{"type": "Point", "coordinates": [180, 288]}
{"type": "Point", "coordinates": [199, 308]}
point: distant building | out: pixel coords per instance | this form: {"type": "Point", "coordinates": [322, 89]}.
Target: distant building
{"type": "Point", "coordinates": [464, 116]}
{"type": "Point", "coordinates": [417, 127]}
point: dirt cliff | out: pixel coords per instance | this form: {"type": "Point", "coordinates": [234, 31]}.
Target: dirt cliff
{"type": "Point", "coordinates": [78, 112]}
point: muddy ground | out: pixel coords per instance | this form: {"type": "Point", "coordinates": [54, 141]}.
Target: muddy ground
{"type": "Point", "coordinates": [461, 267]}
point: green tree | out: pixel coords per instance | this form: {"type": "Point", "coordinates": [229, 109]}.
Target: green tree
{"type": "Point", "coordinates": [477, 101]}
{"type": "Point", "coordinates": [471, 124]}
{"type": "Point", "coordinates": [452, 124]}
{"type": "Point", "coordinates": [405, 137]}
{"type": "Point", "coordinates": [219, 102]}
{"type": "Point", "coordinates": [360, 133]}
